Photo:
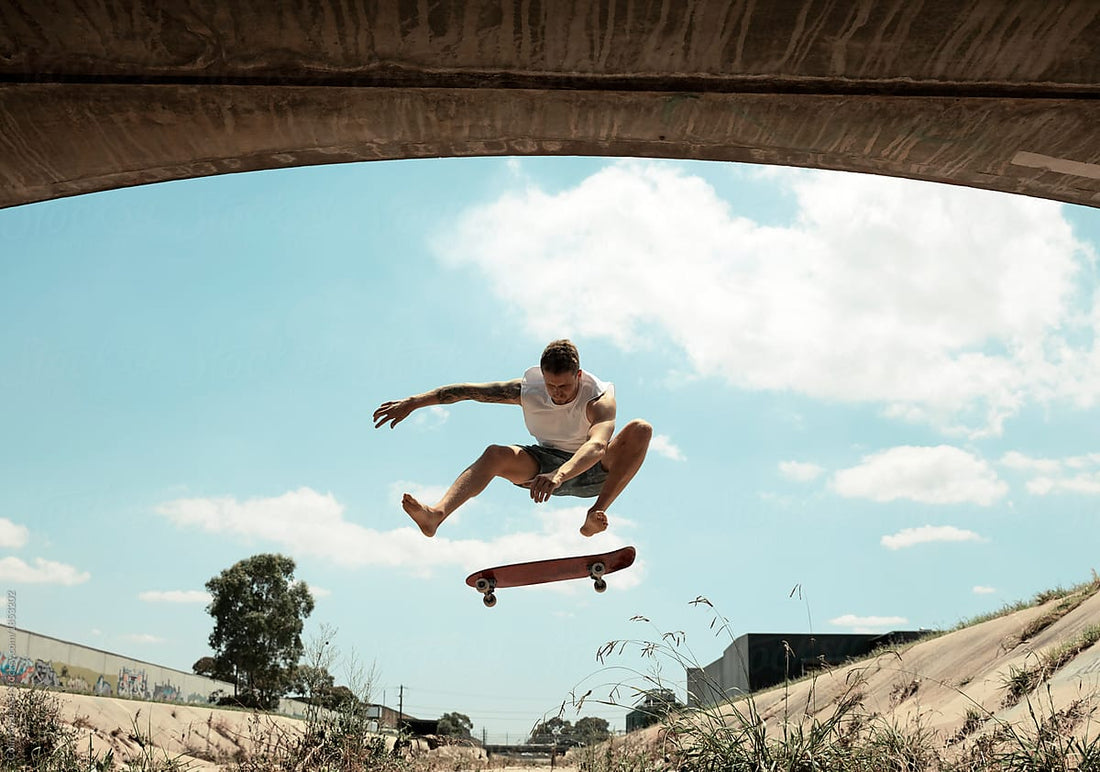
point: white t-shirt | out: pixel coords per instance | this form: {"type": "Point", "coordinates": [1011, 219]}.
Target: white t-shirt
{"type": "Point", "coordinates": [559, 426]}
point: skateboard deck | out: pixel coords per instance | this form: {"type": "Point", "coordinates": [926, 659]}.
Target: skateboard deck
{"type": "Point", "coordinates": [594, 567]}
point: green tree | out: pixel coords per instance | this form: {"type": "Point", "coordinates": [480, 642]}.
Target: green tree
{"type": "Point", "coordinates": [586, 731]}
{"type": "Point", "coordinates": [310, 682]}
{"type": "Point", "coordinates": [553, 730]}
{"type": "Point", "coordinates": [258, 611]}
{"type": "Point", "coordinates": [206, 666]}
{"type": "Point", "coordinates": [342, 698]}
{"type": "Point", "coordinates": [591, 730]}
{"type": "Point", "coordinates": [455, 725]}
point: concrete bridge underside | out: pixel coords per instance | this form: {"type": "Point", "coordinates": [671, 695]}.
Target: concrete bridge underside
{"type": "Point", "coordinates": [996, 94]}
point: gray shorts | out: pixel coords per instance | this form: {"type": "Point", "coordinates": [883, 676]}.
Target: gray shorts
{"type": "Point", "coordinates": [587, 484]}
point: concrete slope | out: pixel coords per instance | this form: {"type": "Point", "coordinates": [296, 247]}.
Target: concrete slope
{"type": "Point", "coordinates": [940, 683]}
{"type": "Point", "coordinates": [951, 689]}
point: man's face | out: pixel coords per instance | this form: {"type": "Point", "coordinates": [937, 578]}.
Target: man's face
{"type": "Point", "coordinates": [562, 387]}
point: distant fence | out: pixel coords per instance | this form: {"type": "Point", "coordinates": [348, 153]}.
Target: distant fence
{"type": "Point", "coordinates": [39, 660]}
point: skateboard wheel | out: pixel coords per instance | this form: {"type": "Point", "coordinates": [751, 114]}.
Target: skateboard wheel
{"type": "Point", "coordinates": [596, 570]}
{"type": "Point", "coordinates": [600, 585]}
{"type": "Point", "coordinates": [489, 600]}
{"type": "Point", "coordinates": [484, 585]}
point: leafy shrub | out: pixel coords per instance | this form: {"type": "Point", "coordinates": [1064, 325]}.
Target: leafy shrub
{"type": "Point", "coordinates": [31, 727]}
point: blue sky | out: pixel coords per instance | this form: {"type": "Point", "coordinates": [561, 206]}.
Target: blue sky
{"type": "Point", "coordinates": [880, 392]}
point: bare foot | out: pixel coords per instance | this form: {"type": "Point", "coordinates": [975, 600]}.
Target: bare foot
{"type": "Point", "coordinates": [595, 522]}
{"type": "Point", "coordinates": [428, 518]}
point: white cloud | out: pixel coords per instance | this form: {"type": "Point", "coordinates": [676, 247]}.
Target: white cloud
{"type": "Point", "coordinates": [431, 418]}
{"type": "Point", "coordinates": [947, 304]}
{"type": "Point", "coordinates": [174, 596]}
{"type": "Point", "coordinates": [1020, 462]}
{"type": "Point", "coordinates": [1074, 474]}
{"type": "Point", "coordinates": [42, 572]}
{"type": "Point", "coordinates": [1088, 484]}
{"type": "Point", "coordinates": [871, 624]}
{"type": "Point", "coordinates": [12, 535]}
{"type": "Point", "coordinates": [930, 475]}
{"type": "Point", "coordinates": [800, 471]}
{"type": "Point", "coordinates": [143, 638]}
{"type": "Point", "coordinates": [662, 445]}
{"type": "Point", "coordinates": [305, 522]}
{"type": "Point", "coordinates": [983, 590]}
{"type": "Point", "coordinates": [909, 537]}
{"type": "Point", "coordinates": [1087, 461]}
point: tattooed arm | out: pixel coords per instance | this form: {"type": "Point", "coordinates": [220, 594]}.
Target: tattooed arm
{"type": "Point", "coordinates": [502, 392]}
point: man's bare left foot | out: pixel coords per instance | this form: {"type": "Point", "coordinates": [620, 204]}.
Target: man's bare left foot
{"type": "Point", "coordinates": [426, 517]}
{"type": "Point", "coordinates": [595, 522]}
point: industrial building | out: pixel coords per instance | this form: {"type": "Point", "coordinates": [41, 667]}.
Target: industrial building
{"type": "Point", "coordinates": [654, 706]}
{"type": "Point", "coordinates": [756, 661]}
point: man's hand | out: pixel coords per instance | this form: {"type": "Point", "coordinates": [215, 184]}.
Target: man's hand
{"type": "Point", "coordinates": [543, 485]}
{"type": "Point", "coordinates": [394, 412]}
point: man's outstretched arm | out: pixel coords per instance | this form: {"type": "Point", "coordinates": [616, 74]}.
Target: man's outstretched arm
{"type": "Point", "coordinates": [502, 392]}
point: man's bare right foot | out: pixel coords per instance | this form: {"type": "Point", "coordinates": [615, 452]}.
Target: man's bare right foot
{"type": "Point", "coordinates": [428, 518]}
{"type": "Point", "coordinates": [595, 522]}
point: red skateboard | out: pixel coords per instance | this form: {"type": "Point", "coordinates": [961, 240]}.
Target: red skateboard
{"type": "Point", "coordinates": [487, 580]}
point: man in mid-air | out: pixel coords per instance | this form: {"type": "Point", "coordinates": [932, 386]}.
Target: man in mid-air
{"type": "Point", "coordinates": [571, 413]}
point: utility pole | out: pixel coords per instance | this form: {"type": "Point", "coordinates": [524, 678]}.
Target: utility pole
{"type": "Point", "coordinates": [400, 705]}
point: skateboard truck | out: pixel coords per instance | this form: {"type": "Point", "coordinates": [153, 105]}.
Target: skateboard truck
{"type": "Point", "coordinates": [485, 585]}
{"type": "Point", "coordinates": [595, 573]}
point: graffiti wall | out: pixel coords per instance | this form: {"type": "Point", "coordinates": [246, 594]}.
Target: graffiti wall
{"type": "Point", "coordinates": [38, 660]}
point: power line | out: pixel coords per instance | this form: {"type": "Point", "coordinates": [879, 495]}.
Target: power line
{"type": "Point", "coordinates": [465, 694]}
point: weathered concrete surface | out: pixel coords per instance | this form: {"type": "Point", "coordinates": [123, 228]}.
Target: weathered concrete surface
{"type": "Point", "coordinates": [97, 94]}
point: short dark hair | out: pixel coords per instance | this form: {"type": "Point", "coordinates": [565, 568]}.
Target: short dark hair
{"type": "Point", "coordinates": [560, 356]}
